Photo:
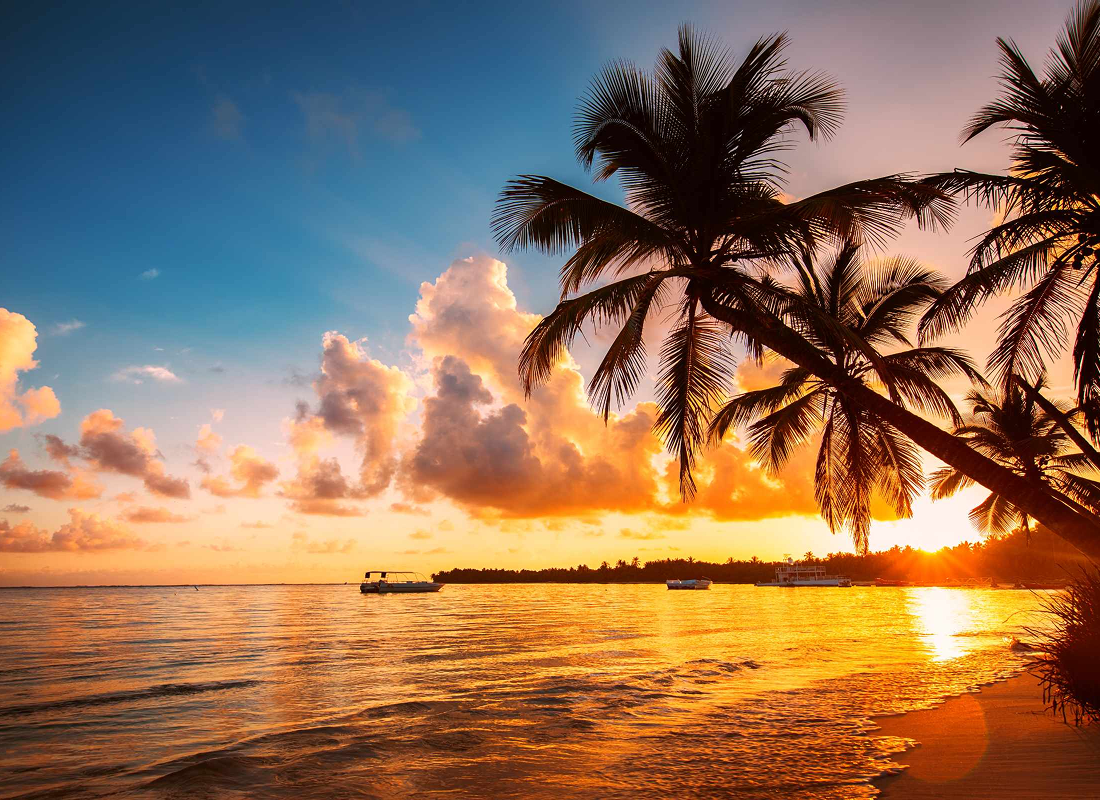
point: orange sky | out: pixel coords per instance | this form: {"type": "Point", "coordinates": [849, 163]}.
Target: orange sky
{"type": "Point", "coordinates": [440, 464]}
{"type": "Point", "coordinates": [414, 448]}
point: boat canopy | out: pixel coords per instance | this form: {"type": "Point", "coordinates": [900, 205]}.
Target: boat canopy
{"type": "Point", "coordinates": [394, 576]}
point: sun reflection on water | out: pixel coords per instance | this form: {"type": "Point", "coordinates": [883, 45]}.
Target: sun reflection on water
{"type": "Point", "coordinates": [941, 615]}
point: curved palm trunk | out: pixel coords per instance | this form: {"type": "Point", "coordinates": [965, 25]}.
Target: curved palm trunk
{"type": "Point", "coordinates": [1080, 530]}
{"type": "Point", "coordinates": [1052, 411]}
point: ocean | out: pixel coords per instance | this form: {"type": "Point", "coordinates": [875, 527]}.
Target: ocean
{"type": "Point", "coordinates": [534, 691]}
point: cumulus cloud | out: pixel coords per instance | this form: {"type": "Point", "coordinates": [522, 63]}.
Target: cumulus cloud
{"type": "Point", "coordinates": [208, 441]}
{"type": "Point", "coordinates": [58, 450]}
{"type": "Point", "coordinates": [83, 532]}
{"type": "Point", "coordinates": [300, 542]}
{"type": "Point", "coordinates": [140, 374]}
{"type": "Point", "coordinates": [420, 534]}
{"type": "Point", "coordinates": [143, 514]}
{"type": "Point", "coordinates": [207, 444]}
{"type": "Point", "coordinates": [361, 399]}
{"type": "Point", "coordinates": [18, 341]}
{"type": "Point", "coordinates": [486, 447]}
{"type": "Point", "coordinates": [551, 455]}
{"type": "Point", "coordinates": [258, 525]}
{"type": "Point", "coordinates": [107, 447]}
{"type": "Point", "coordinates": [732, 486]}
{"type": "Point", "coordinates": [15, 508]}
{"type": "Point", "coordinates": [49, 483]}
{"type": "Point", "coordinates": [149, 274]}
{"type": "Point", "coordinates": [249, 472]}
{"type": "Point", "coordinates": [752, 377]}
{"type": "Point", "coordinates": [65, 328]}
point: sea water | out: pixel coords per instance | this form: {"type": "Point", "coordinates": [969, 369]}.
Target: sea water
{"type": "Point", "coordinates": [539, 691]}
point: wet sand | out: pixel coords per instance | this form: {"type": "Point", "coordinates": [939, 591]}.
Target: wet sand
{"type": "Point", "coordinates": [999, 742]}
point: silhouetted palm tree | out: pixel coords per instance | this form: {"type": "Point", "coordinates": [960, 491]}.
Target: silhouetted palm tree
{"type": "Point", "coordinates": [696, 146]}
{"type": "Point", "coordinates": [1049, 238]}
{"type": "Point", "coordinates": [1014, 431]}
{"type": "Point", "coordinates": [860, 453]}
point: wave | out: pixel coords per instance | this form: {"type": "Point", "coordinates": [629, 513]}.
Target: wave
{"type": "Point", "coordinates": [152, 692]}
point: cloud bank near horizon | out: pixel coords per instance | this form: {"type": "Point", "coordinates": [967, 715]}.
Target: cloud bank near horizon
{"type": "Point", "coordinates": [450, 429]}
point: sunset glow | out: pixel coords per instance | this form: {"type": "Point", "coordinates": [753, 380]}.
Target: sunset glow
{"type": "Point", "coordinates": [265, 372]}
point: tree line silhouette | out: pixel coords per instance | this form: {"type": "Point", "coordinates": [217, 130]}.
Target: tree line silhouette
{"type": "Point", "coordinates": [1006, 559]}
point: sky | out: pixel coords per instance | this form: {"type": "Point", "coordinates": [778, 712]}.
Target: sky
{"type": "Point", "coordinates": [255, 327]}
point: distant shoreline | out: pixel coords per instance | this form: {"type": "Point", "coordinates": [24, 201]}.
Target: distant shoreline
{"type": "Point", "coordinates": [546, 582]}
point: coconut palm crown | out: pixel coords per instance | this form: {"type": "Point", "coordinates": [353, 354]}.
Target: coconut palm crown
{"type": "Point", "coordinates": [1048, 241]}
{"type": "Point", "coordinates": [1015, 431]}
{"type": "Point", "coordinates": [859, 452]}
{"type": "Point", "coordinates": [696, 145]}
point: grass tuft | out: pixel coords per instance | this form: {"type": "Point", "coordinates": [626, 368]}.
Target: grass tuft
{"type": "Point", "coordinates": [1069, 670]}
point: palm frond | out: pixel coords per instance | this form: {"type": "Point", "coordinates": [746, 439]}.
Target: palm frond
{"type": "Point", "coordinates": [947, 481]}
{"type": "Point", "coordinates": [1034, 327]}
{"type": "Point", "coordinates": [995, 516]}
{"type": "Point", "coordinates": [623, 366]}
{"type": "Point", "coordinates": [746, 407]}
{"type": "Point", "coordinates": [1086, 359]}
{"type": "Point", "coordinates": [900, 476]}
{"type": "Point", "coordinates": [546, 345]}
{"type": "Point", "coordinates": [775, 437]}
{"type": "Point", "coordinates": [696, 372]}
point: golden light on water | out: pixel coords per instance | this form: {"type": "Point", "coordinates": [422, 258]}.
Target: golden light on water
{"type": "Point", "coordinates": [941, 614]}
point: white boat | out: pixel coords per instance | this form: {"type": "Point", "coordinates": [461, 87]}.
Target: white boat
{"type": "Point", "coordinates": [792, 574]}
{"type": "Point", "coordinates": [390, 582]}
{"type": "Point", "coordinates": [695, 583]}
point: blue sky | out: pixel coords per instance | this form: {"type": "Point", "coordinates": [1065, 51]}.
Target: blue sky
{"type": "Point", "coordinates": [210, 188]}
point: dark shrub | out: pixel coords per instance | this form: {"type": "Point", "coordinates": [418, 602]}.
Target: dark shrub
{"type": "Point", "coordinates": [1070, 669]}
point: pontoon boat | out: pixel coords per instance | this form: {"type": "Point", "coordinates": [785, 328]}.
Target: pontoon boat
{"type": "Point", "coordinates": [390, 582]}
{"type": "Point", "coordinates": [695, 583]}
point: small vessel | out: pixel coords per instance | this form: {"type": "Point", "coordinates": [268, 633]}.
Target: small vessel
{"type": "Point", "coordinates": [693, 583]}
{"type": "Point", "coordinates": [390, 582]}
{"type": "Point", "coordinates": [890, 582]}
{"type": "Point", "coordinates": [792, 574]}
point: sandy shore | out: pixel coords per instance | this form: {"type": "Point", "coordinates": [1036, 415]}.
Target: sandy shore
{"type": "Point", "coordinates": [997, 743]}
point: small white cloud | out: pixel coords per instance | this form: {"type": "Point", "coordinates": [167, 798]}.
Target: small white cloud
{"type": "Point", "coordinates": [65, 328]}
{"type": "Point", "coordinates": [138, 374]}
{"type": "Point", "coordinates": [341, 118]}
{"type": "Point", "coordinates": [150, 274]}
{"type": "Point", "coordinates": [218, 414]}
{"type": "Point", "coordinates": [228, 119]}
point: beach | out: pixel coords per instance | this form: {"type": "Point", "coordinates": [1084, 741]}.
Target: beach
{"type": "Point", "coordinates": [999, 742]}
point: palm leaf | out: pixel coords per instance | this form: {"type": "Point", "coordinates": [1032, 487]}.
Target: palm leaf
{"type": "Point", "coordinates": [696, 371]}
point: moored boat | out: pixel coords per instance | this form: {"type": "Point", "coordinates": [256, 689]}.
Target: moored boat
{"type": "Point", "coordinates": [390, 582]}
{"type": "Point", "coordinates": [694, 583]}
{"type": "Point", "coordinates": [792, 574]}
{"type": "Point", "coordinates": [890, 582]}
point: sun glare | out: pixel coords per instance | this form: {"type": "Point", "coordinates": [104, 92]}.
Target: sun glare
{"type": "Point", "coordinates": [941, 615]}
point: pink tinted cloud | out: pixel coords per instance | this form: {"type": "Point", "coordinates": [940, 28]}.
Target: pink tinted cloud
{"type": "Point", "coordinates": [83, 532]}
{"type": "Point", "coordinates": [18, 341]}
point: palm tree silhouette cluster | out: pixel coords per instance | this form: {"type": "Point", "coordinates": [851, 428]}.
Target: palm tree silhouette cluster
{"type": "Point", "coordinates": [708, 236]}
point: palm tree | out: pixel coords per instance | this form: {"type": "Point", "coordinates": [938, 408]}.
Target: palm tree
{"type": "Point", "coordinates": [1049, 238]}
{"type": "Point", "coordinates": [697, 148]}
{"type": "Point", "coordinates": [859, 453]}
{"type": "Point", "coordinates": [1016, 432]}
